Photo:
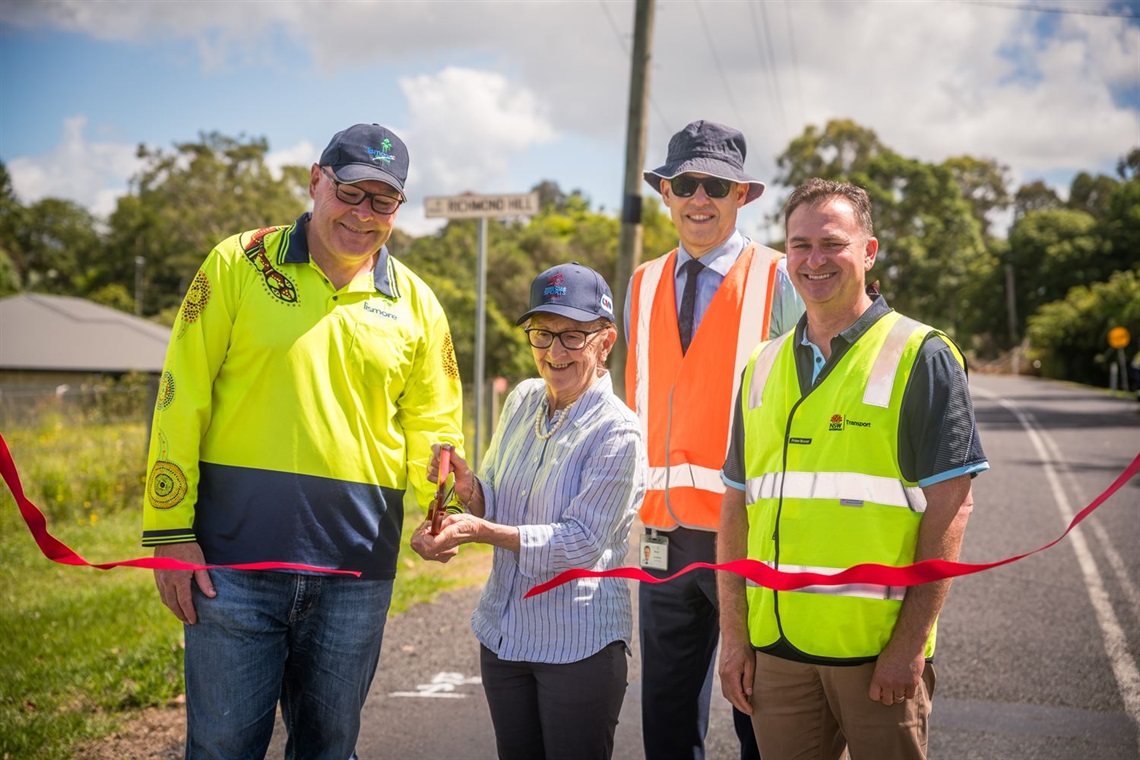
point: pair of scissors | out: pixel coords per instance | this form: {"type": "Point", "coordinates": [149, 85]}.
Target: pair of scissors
{"type": "Point", "coordinates": [443, 495]}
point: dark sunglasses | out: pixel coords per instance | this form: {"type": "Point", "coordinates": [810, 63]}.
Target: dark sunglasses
{"type": "Point", "coordinates": [715, 187]}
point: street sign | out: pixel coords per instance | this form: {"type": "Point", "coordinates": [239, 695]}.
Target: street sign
{"type": "Point", "coordinates": [481, 207]}
{"type": "Point", "coordinates": [1118, 337]}
{"type": "Point", "coordinates": [472, 206]}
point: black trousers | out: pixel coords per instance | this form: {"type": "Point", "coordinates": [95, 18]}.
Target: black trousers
{"type": "Point", "coordinates": [680, 628]}
{"type": "Point", "coordinates": [555, 712]}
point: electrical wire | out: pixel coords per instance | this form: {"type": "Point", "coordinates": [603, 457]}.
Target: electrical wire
{"type": "Point", "coordinates": [1048, 9]}
{"type": "Point", "coordinates": [772, 78]}
{"type": "Point", "coordinates": [628, 54]}
{"type": "Point", "coordinates": [719, 67]}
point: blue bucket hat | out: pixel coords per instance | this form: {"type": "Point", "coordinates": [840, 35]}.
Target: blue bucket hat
{"type": "Point", "coordinates": [367, 152]}
{"type": "Point", "coordinates": [573, 291]}
{"type": "Point", "coordinates": [705, 147]}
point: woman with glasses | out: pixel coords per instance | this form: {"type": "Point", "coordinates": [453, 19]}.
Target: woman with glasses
{"type": "Point", "coordinates": [560, 484]}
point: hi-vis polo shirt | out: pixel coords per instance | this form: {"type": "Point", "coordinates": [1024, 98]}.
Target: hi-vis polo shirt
{"type": "Point", "coordinates": [291, 416]}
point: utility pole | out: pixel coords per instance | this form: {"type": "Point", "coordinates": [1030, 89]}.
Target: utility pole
{"type": "Point", "coordinates": [629, 244]}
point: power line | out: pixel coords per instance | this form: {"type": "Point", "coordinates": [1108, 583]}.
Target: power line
{"type": "Point", "coordinates": [795, 61]}
{"type": "Point", "coordinates": [625, 51]}
{"type": "Point", "coordinates": [1048, 9]}
{"type": "Point", "coordinates": [773, 80]}
{"type": "Point", "coordinates": [719, 67]}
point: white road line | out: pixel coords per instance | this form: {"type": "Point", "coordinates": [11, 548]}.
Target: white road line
{"type": "Point", "coordinates": [1115, 644]}
{"type": "Point", "coordinates": [1104, 542]}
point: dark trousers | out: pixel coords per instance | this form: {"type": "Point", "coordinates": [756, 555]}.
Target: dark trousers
{"type": "Point", "coordinates": [680, 628]}
{"type": "Point", "coordinates": [547, 712]}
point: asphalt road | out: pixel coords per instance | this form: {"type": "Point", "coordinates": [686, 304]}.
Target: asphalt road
{"type": "Point", "coordinates": [1037, 659]}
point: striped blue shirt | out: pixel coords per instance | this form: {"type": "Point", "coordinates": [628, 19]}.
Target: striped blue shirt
{"type": "Point", "coordinates": [573, 498]}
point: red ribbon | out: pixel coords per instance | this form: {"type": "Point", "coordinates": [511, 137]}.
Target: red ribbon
{"type": "Point", "coordinates": [883, 575]}
{"type": "Point", "coordinates": [57, 551]}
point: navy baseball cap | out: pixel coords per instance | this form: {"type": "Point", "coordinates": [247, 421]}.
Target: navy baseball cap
{"type": "Point", "coordinates": [367, 151]}
{"type": "Point", "coordinates": [573, 291]}
{"type": "Point", "coordinates": [705, 147]}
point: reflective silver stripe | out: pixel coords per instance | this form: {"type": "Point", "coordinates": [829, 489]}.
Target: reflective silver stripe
{"type": "Point", "coordinates": [881, 381]}
{"type": "Point", "coordinates": [649, 282]}
{"type": "Point", "coordinates": [685, 476]}
{"type": "Point", "coordinates": [863, 590]}
{"type": "Point", "coordinates": [851, 487]}
{"type": "Point", "coordinates": [753, 307]}
{"type": "Point", "coordinates": [763, 368]}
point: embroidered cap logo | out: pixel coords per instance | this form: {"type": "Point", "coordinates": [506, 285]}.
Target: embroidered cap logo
{"type": "Point", "coordinates": [555, 288]}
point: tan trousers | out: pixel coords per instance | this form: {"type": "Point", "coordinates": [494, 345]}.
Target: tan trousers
{"type": "Point", "coordinates": [811, 712]}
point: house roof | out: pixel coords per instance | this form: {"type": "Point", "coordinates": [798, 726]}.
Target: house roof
{"type": "Point", "coordinates": [62, 333]}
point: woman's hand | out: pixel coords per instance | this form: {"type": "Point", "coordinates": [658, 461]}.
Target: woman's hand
{"type": "Point", "coordinates": [431, 547]}
{"type": "Point", "coordinates": [465, 484]}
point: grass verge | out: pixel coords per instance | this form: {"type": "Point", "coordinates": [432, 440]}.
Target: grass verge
{"type": "Point", "coordinates": [83, 650]}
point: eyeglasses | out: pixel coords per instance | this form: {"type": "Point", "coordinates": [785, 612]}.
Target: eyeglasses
{"type": "Point", "coordinates": [572, 340]}
{"type": "Point", "coordinates": [353, 195]}
{"type": "Point", "coordinates": [715, 187]}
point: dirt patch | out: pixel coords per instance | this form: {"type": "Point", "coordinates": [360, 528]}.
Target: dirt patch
{"type": "Point", "coordinates": [157, 733]}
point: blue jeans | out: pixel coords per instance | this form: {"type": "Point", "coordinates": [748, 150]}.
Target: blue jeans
{"type": "Point", "coordinates": [312, 641]}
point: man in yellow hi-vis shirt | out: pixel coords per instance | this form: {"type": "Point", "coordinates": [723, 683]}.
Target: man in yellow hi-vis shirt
{"type": "Point", "coordinates": [307, 376]}
{"type": "Point", "coordinates": [854, 441]}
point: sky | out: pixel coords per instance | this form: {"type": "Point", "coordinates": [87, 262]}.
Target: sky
{"type": "Point", "coordinates": [495, 97]}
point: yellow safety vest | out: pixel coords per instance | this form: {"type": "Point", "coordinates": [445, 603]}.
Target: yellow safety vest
{"type": "Point", "coordinates": [832, 495]}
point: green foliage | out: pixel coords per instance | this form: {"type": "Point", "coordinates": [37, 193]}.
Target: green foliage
{"type": "Point", "coordinates": [115, 296]}
{"type": "Point", "coordinates": [187, 200]}
{"type": "Point", "coordinates": [1051, 251]}
{"type": "Point", "coordinates": [82, 649]}
{"type": "Point", "coordinates": [930, 236]}
{"type": "Point", "coordinates": [58, 245]}
{"type": "Point", "coordinates": [9, 277]}
{"type": "Point", "coordinates": [1035, 196]}
{"type": "Point", "coordinates": [1069, 336]}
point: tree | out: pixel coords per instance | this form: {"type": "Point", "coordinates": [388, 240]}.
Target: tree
{"type": "Point", "coordinates": [1091, 194]}
{"type": "Point", "coordinates": [1069, 336]}
{"type": "Point", "coordinates": [929, 238]}
{"type": "Point", "coordinates": [59, 244]}
{"type": "Point", "coordinates": [1035, 196]}
{"type": "Point", "coordinates": [984, 184]}
{"type": "Point", "coordinates": [1052, 251]}
{"type": "Point", "coordinates": [183, 202]}
{"type": "Point", "coordinates": [838, 151]}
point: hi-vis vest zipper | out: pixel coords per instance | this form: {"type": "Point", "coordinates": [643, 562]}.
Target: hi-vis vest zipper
{"type": "Point", "coordinates": [832, 495]}
{"type": "Point", "coordinates": [684, 402]}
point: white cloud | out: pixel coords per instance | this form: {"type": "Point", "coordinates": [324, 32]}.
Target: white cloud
{"type": "Point", "coordinates": [302, 153]}
{"type": "Point", "coordinates": [467, 126]}
{"type": "Point", "coordinates": [488, 82]}
{"type": "Point", "coordinates": [92, 174]}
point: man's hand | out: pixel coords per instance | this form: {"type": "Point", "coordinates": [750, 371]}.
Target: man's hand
{"type": "Point", "coordinates": [897, 676]}
{"type": "Point", "coordinates": [737, 671]}
{"type": "Point", "coordinates": [174, 585]}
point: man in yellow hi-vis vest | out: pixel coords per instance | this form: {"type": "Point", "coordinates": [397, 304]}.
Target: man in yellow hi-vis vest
{"type": "Point", "coordinates": [854, 441]}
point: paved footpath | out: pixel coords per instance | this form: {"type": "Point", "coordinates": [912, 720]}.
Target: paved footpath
{"type": "Point", "coordinates": [427, 703]}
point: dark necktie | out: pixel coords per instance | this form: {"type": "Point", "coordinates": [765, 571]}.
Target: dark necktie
{"type": "Point", "coordinates": [692, 268]}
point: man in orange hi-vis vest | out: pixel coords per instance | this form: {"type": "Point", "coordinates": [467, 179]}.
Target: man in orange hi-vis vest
{"type": "Point", "coordinates": [693, 318]}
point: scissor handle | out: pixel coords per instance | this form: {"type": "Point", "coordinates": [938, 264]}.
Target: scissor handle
{"type": "Point", "coordinates": [439, 509]}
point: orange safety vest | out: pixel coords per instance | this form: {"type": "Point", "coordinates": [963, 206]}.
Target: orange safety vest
{"type": "Point", "coordinates": [684, 402]}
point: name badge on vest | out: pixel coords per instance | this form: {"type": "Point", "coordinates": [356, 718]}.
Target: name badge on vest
{"type": "Point", "coordinates": [654, 552]}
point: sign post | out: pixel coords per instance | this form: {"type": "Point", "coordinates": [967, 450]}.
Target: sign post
{"type": "Point", "coordinates": [481, 207]}
{"type": "Point", "coordinates": [1118, 338]}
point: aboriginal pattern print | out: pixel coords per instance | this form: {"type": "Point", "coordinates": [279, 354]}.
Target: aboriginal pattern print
{"type": "Point", "coordinates": [450, 365]}
{"type": "Point", "coordinates": [165, 390]}
{"type": "Point", "coordinates": [278, 285]}
{"type": "Point", "coordinates": [167, 486]}
{"type": "Point", "coordinates": [194, 303]}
